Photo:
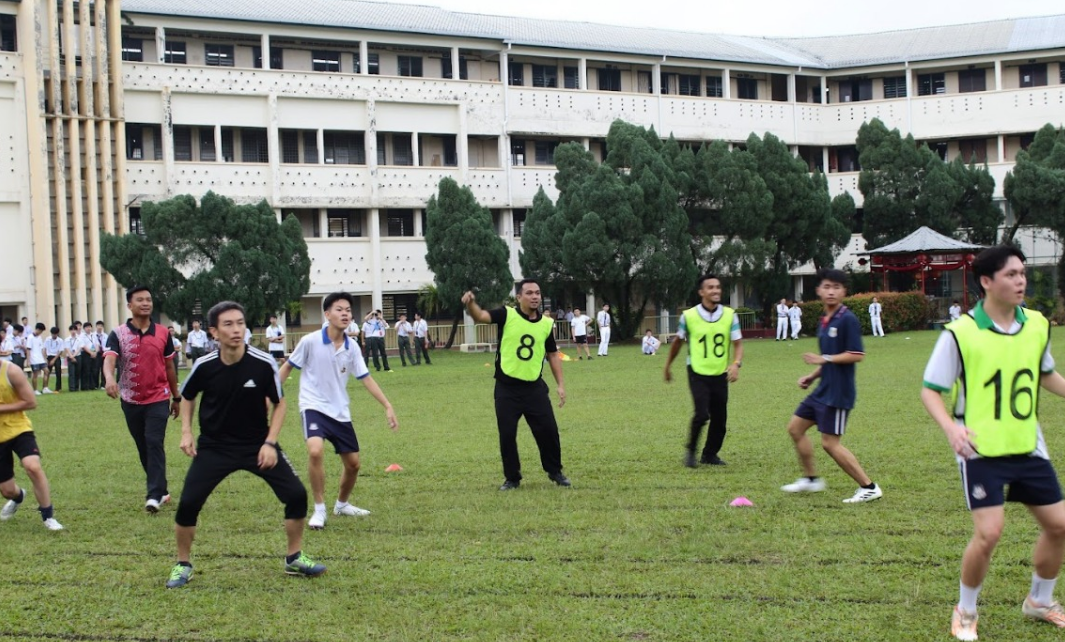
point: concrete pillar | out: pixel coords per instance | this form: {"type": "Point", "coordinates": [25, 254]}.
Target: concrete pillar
{"type": "Point", "coordinates": [377, 296]}
{"type": "Point", "coordinates": [323, 223]}
{"type": "Point", "coordinates": [791, 88]}
{"type": "Point", "coordinates": [582, 73]}
{"type": "Point", "coordinates": [462, 146]}
{"type": "Point", "coordinates": [455, 64]}
{"type": "Point", "coordinates": [824, 89]}
{"type": "Point", "coordinates": [589, 304]}
{"type": "Point", "coordinates": [587, 143]}
{"type": "Point", "coordinates": [218, 158]}
{"type": "Point", "coordinates": [418, 223]}
{"type": "Point", "coordinates": [319, 140]}
{"type": "Point", "coordinates": [998, 75]}
{"type": "Point", "coordinates": [416, 153]}
{"type": "Point", "coordinates": [504, 68]}
{"type": "Point", "coordinates": [656, 78]}
{"type": "Point", "coordinates": [160, 43]}
{"type": "Point", "coordinates": [273, 147]}
{"type": "Point", "coordinates": [824, 159]}
{"type": "Point", "coordinates": [364, 59]}
{"type": "Point", "coordinates": [726, 84]}
{"type": "Point", "coordinates": [1001, 148]}
{"type": "Point", "coordinates": [265, 47]}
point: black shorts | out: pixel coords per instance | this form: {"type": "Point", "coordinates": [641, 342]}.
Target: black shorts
{"type": "Point", "coordinates": [580, 338]}
{"type": "Point", "coordinates": [339, 433]}
{"type": "Point", "coordinates": [22, 446]}
{"type": "Point", "coordinates": [1032, 481]}
{"type": "Point", "coordinates": [829, 420]}
{"type": "Point", "coordinates": [277, 354]}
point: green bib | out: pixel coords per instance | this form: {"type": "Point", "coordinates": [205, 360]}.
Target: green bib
{"type": "Point", "coordinates": [708, 343]}
{"type": "Point", "coordinates": [523, 346]}
{"type": "Point", "coordinates": [1000, 375]}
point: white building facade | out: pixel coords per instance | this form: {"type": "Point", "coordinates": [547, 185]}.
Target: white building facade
{"type": "Point", "coordinates": [148, 99]}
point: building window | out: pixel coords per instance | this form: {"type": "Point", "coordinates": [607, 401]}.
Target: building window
{"type": "Point", "coordinates": [1034, 75]}
{"type": "Point", "coordinates": [895, 87]}
{"type": "Point", "coordinates": [846, 158]}
{"type": "Point", "coordinates": [207, 150]}
{"type": "Point", "coordinates": [290, 146]}
{"type": "Point", "coordinates": [277, 57]}
{"type": "Point", "coordinates": [519, 222]}
{"type": "Point", "coordinates": [8, 33]}
{"type": "Point", "coordinates": [1027, 140]}
{"type": "Point", "coordinates": [227, 144]}
{"type": "Point", "coordinates": [644, 84]}
{"type": "Point", "coordinates": [609, 79]}
{"type": "Point", "coordinates": [410, 66]}
{"type": "Point", "coordinates": [714, 88]}
{"type": "Point", "coordinates": [517, 152]}
{"type": "Point", "coordinates": [344, 148]}
{"type": "Point", "coordinates": [400, 222]}
{"type": "Point", "coordinates": [253, 146]}
{"type": "Point", "coordinates": [545, 76]}
{"type": "Point", "coordinates": [855, 90]}
{"type": "Point", "coordinates": [402, 152]}
{"type": "Point", "coordinates": [747, 88]}
{"type": "Point", "coordinates": [689, 85]}
{"type": "Point", "coordinates": [134, 141]}
{"type": "Point", "coordinates": [940, 148]}
{"type": "Point", "coordinates": [218, 55]}
{"type": "Point", "coordinates": [931, 84]}
{"type": "Point", "coordinates": [174, 53]}
{"type": "Point", "coordinates": [325, 61]}
{"type": "Point", "coordinates": [515, 73]}
{"type": "Point", "coordinates": [136, 225]}
{"type": "Point", "coordinates": [973, 151]}
{"type": "Point", "coordinates": [445, 67]}
{"type": "Point", "coordinates": [545, 152]}
{"type": "Point", "coordinates": [970, 80]}
{"type": "Point", "coordinates": [310, 147]}
{"type": "Point", "coordinates": [182, 143]}
{"type": "Point", "coordinates": [1061, 73]}
{"type": "Point", "coordinates": [344, 223]}
{"type": "Point", "coordinates": [571, 77]}
{"type": "Point", "coordinates": [132, 49]}
{"type": "Point", "coordinates": [374, 67]}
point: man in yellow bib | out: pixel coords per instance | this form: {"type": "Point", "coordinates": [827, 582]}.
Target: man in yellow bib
{"type": "Point", "coordinates": [525, 340]}
{"type": "Point", "coordinates": [16, 438]}
{"type": "Point", "coordinates": [995, 359]}
{"type": "Point", "coordinates": [715, 354]}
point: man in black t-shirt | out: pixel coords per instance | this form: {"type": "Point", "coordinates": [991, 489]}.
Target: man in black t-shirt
{"type": "Point", "coordinates": [236, 434]}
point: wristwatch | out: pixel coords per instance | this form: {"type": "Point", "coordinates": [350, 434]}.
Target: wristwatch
{"type": "Point", "coordinates": [738, 364]}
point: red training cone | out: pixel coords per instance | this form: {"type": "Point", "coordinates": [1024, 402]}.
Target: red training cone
{"type": "Point", "coordinates": [393, 468]}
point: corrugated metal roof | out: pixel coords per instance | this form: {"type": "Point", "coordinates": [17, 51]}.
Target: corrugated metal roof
{"type": "Point", "coordinates": [925, 239]}
{"type": "Point", "coordinates": [1000, 36]}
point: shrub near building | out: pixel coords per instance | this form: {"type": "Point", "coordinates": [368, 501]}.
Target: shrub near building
{"type": "Point", "coordinates": [902, 311]}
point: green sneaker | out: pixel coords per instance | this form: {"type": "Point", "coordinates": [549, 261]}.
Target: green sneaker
{"type": "Point", "coordinates": [305, 566]}
{"type": "Point", "coordinates": [179, 576]}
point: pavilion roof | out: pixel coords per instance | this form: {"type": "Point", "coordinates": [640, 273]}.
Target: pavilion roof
{"type": "Point", "coordinates": [925, 239]}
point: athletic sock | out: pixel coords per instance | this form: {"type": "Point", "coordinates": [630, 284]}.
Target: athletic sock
{"type": "Point", "coordinates": [21, 496]}
{"type": "Point", "coordinates": [813, 478]}
{"type": "Point", "coordinates": [46, 512]}
{"type": "Point", "coordinates": [184, 564]}
{"type": "Point", "coordinates": [319, 508]}
{"type": "Point", "coordinates": [292, 558]}
{"type": "Point", "coordinates": [1042, 590]}
{"type": "Point", "coordinates": [340, 504]}
{"type": "Point", "coordinates": [967, 599]}
{"type": "Point", "coordinates": [871, 486]}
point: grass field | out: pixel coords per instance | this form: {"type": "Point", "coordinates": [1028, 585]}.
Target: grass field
{"type": "Point", "coordinates": [639, 549]}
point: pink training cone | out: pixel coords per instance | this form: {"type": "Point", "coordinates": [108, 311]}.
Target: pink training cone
{"type": "Point", "coordinates": [741, 501]}
{"type": "Point", "coordinates": [393, 468]}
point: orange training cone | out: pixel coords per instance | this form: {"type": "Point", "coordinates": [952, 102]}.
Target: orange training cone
{"type": "Point", "coordinates": [393, 468]}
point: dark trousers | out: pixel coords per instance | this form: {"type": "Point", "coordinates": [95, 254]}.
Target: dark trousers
{"type": "Point", "coordinates": [147, 426]}
{"type": "Point", "coordinates": [19, 360]}
{"type": "Point", "coordinates": [98, 366]}
{"type": "Point", "coordinates": [404, 347]}
{"type": "Point", "coordinates": [213, 464]}
{"type": "Point", "coordinates": [532, 402]}
{"type": "Point", "coordinates": [55, 366]}
{"type": "Point", "coordinates": [376, 346]}
{"type": "Point", "coordinates": [710, 394]}
{"type": "Point", "coordinates": [420, 350]}
{"type": "Point", "coordinates": [74, 375]}
{"type": "Point", "coordinates": [87, 371]}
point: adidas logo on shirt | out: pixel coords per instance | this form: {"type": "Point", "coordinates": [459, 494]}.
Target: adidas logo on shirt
{"type": "Point", "coordinates": [250, 384]}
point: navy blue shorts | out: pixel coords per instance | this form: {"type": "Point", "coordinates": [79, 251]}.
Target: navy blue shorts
{"type": "Point", "coordinates": [580, 338]}
{"type": "Point", "coordinates": [1032, 481]}
{"type": "Point", "coordinates": [339, 433]}
{"type": "Point", "coordinates": [829, 420]}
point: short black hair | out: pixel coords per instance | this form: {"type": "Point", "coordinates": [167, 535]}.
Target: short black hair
{"type": "Point", "coordinates": [217, 310]}
{"type": "Point", "coordinates": [72, 327]}
{"type": "Point", "coordinates": [703, 279]}
{"type": "Point", "coordinates": [76, 322]}
{"type": "Point", "coordinates": [99, 323]}
{"type": "Point", "coordinates": [992, 260]}
{"type": "Point", "coordinates": [833, 275]}
{"type": "Point", "coordinates": [40, 326]}
{"type": "Point", "coordinates": [133, 289]}
{"type": "Point", "coordinates": [330, 299]}
{"type": "Point", "coordinates": [18, 327]}
{"type": "Point", "coordinates": [522, 283]}
{"type": "Point", "coordinates": [54, 330]}
{"type": "Point", "coordinates": [7, 320]}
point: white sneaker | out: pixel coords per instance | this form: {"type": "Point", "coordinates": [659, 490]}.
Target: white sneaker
{"type": "Point", "coordinates": [52, 525]}
{"type": "Point", "coordinates": [152, 506]}
{"type": "Point", "coordinates": [350, 510]}
{"type": "Point", "coordinates": [865, 495]}
{"type": "Point", "coordinates": [9, 509]}
{"type": "Point", "coordinates": [316, 522]}
{"type": "Point", "coordinates": [46, 391]}
{"type": "Point", "coordinates": [804, 485]}
{"type": "Point", "coordinates": [37, 392]}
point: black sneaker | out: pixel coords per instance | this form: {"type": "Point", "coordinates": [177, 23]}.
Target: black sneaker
{"type": "Point", "coordinates": [510, 485]}
{"type": "Point", "coordinates": [713, 461]}
{"type": "Point", "coordinates": [560, 479]}
{"type": "Point", "coordinates": [690, 461]}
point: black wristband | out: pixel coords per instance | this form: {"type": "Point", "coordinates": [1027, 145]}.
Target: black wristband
{"type": "Point", "coordinates": [176, 399]}
{"type": "Point", "coordinates": [272, 444]}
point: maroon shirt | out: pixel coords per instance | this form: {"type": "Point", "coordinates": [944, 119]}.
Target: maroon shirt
{"type": "Point", "coordinates": [142, 358]}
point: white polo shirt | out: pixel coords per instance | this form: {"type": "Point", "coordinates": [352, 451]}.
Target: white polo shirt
{"type": "Point", "coordinates": [324, 372]}
{"type": "Point", "coordinates": [275, 333]}
{"type": "Point", "coordinates": [197, 338]}
{"type": "Point", "coordinates": [35, 347]}
{"type": "Point", "coordinates": [580, 325]}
